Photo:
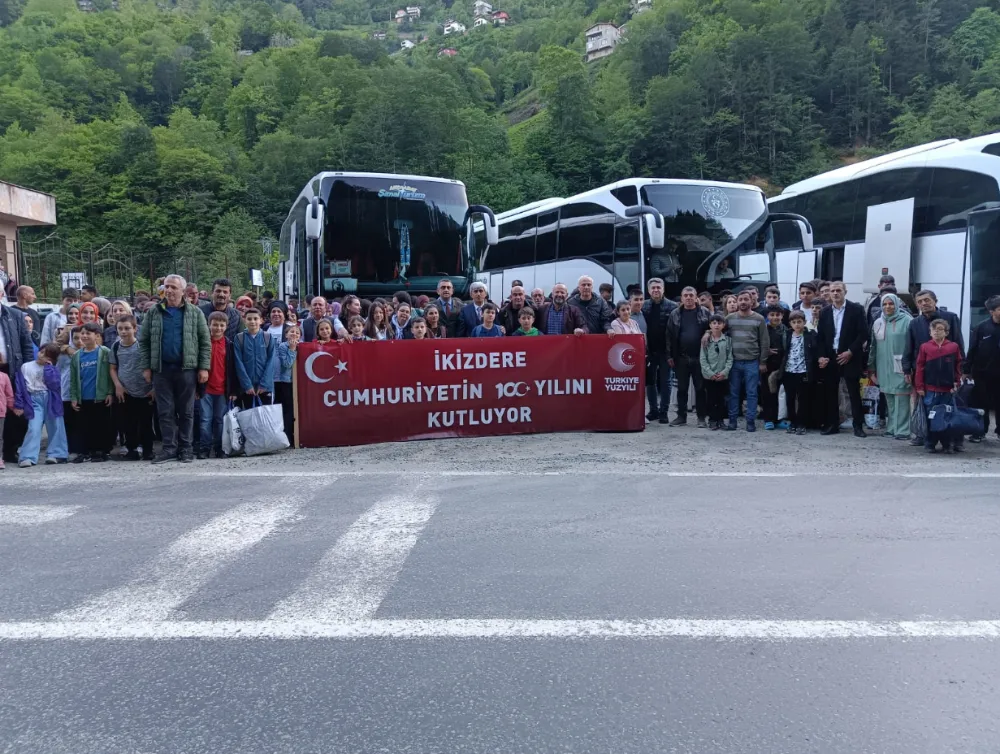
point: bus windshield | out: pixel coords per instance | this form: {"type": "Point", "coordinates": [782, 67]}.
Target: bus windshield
{"type": "Point", "coordinates": [701, 220]}
{"type": "Point", "coordinates": [387, 234]}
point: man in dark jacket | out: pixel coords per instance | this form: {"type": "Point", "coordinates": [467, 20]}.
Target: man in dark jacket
{"type": "Point", "coordinates": [15, 350]}
{"type": "Point", "coordinates": [656, 312]}
{"type": "Point", "coordinates": [685, 327]}
{"type": "Point", "coordinates": [597, 313]}
{"type": "Point", "coordinates": [843, 331]}
{"type": "Point", "coordinates": [558, 317]}
{"type": "Point", "coordinates": [983, 365]}
{"type": "Point", "coordinates": [222, 293]}
{"type": "Point", "coordinates": [471, 314]}
{"type": "Point", "coordinates": [449, 305]}
{"type": "Point", "coordinates": [511, 311]}
{"type": "Point", "coordinates": [920, 329]}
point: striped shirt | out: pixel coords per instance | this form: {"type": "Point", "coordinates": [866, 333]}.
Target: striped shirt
{"type": "Point", "coordinates": [749, 335]}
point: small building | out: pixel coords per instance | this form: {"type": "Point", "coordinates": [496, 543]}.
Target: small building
{"type": "Point", "coordinates": [20, 208]}
{"type": "Point", "coordinates": [378, 36]}
{"type": "Point", "coordinates": [480, 22]}
{"type": "Point", "coordinates": [407, 44]}
{"type": "Point", "coordinates": [452, 26]}
{"type": "Point", "coordinates": [447, 52]}
{"type": "Point", "coordinates": [413, 12]}
{"type": "Point", "coordinates": [601, 41]}
{"type": "Point", "coordinates": [500, 18]}
{"type": "Point", "coordinates": [641, 6]}
{"type": "Point", "coordinates": [481, 8]}
{"type": "Point", "coordinates": [400, 16]}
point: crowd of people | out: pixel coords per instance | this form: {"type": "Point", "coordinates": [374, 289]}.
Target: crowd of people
{"type": "Point", "coordinates": [96, 372]}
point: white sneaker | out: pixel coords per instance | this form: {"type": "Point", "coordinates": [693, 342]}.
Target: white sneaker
{"type": "Point", "coordinates": [26, 464]}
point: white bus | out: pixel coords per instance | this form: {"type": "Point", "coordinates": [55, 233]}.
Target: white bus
{"type": "Point", "coordinates": [372, 234]}
{"type": "Point", "coordinates": [929, 216]}
{"type": "Point", "coordinates": [687, 229]}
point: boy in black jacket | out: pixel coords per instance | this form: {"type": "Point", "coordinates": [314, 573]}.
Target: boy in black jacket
{"type": "Point", "coordinates": [801, 365]}
{"type": "Point", "coordinates": [983, 365]}
{"type": "Point", "coordinates": [771, 367]}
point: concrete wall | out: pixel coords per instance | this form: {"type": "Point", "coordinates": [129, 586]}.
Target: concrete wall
{"type": "Point", "coordinates": [8, 234]}
{"type": "Point", "coordinates": [21, 207]}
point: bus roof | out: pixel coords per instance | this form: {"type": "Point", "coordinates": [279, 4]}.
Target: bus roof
{"type": "Point", "coordinates": [913, 157]}
{"type": "Point", "coordinates": [387, 176]}
{"type": "Point", "coordinates": [553, 203]}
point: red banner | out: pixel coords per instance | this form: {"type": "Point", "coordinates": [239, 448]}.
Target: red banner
{"type": "Point", "coordinates": [366, 392]}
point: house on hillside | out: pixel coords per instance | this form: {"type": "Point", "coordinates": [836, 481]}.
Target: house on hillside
{"type": "Point", "coordinates": [480, 22]}
{"type": "Point", "coordinates": [413, 12]}
{"type": "Point", "coordinates": [481, 8]}
{"type": "Point", "coordinates": [641, 6]}
{"type": "Point", "coordinates": [400, 16]}
{"type": "Point", "coordinates": [500, 18]}
{"type": "Point", "coordinates": [407, 44]}
{"type": "Point", "coordinates": [447, 52]}
{"type": "Point", "coordinates": [451, 26]}
{"type": "Point", "coordinates": [601, 41]}
{"type": "Point", "coordinates": [378, 36]}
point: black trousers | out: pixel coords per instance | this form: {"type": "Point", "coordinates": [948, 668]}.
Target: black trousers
{"type": "Point", "coordinates": [15, 428]}
{"type": "Point", "coordinates": [717, 399]}
{"type": "Point", "coordinates": [74, 428]}
{"type": "Point", "coordinates": [175, 389]}
{"type": "Point", "coordinates": [831, 389]}
{"type": "Point", "coordinates": [96, 429]}
{"type": "Point", "coordinates": [136, 415]}
{"type": "Point", "coordinates": [284, 395]}
{"type": "Point", "coordinates": [798, 398]}
{"type": "Point", "coordinates": [768, 400]}
{"type": "Point", "coordinates": [985, 396]}
{"type": "Point", "coordinates": [688, 368]}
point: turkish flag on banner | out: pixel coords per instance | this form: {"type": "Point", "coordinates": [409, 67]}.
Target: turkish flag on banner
{"type": "Point", "coordinates": [366, 392]}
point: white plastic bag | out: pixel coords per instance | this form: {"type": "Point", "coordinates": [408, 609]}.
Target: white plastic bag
{"type": "Point", "coordinates": [232, 435]}
{"type": "Point", "coordinates": [782, 404]}
{"type": "Point", "coordinates": [263, 429]}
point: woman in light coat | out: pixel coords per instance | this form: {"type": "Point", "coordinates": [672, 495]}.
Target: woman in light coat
{"type": "Point", "coordinates": [885, 357]}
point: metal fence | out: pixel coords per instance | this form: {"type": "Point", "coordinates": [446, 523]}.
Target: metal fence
{"type": "Point", "coordinates": [50, 264]}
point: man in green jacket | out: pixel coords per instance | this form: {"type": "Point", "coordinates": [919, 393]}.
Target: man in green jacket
{"type": "Point", "coordinates": [175, 353]}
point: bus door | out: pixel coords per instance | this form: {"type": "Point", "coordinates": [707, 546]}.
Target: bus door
{"type": "Point", "coordinates": [982, 266]}
{"type": "Point", "coordinates": [888, 242]}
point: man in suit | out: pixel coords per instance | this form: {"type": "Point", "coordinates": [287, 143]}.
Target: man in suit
{"type": "Point", "coordinates": [471, 314]}
{"type": "Point", "coordinates": [843, 330]}
{"type": "Point", "coordinates": [449, 306]}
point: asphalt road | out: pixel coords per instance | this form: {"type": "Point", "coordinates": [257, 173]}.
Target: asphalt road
{"type": "Point", "coordinates": [537, 606]}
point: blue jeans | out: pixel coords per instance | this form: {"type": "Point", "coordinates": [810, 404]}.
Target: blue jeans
{"type": "Point", "coordinates": [55, 427]}
{"type": "Point", "coordinates": [745, 374]}
{"type": "Point", "coordinates": [658, 379]}
{"type": "Point", "coordinates": [213, 409]}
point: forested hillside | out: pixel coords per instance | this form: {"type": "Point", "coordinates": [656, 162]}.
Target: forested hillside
{"type": "Point", "coordinates": [187, 129]}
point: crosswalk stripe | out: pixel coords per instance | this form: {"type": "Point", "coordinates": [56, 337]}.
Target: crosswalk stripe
{"type": "Point", "coordinates": [32, 515]}
{"type": "Point", "coordinates": [352, 579]}
{"type": "Point", "coordinates": [498, 628]}
{"type": "Point", "coordinates": [190, 561]}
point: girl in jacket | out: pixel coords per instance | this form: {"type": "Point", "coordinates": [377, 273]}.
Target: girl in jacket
{"type": "Point", "coordinates": [377, 326]}
{"type": "Point", "coordinates": [39, 398]}
{"type": "Point", "coordinates": [434, 327]}
{"type": "Point", "coordinates": [885, 360]}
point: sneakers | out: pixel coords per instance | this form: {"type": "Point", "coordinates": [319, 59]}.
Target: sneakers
{"type": "Point", "coordinates": [702, 424]}
{"type": "Point", "coordinates": [751, 427]}
{"type": "Point", "coordinates": [100, 457]}
{"type": "Point", "coordinates": [51, 461]}
{"type": "Point", "coordinates": [201, 455]}
{"type": "Point", "coordinates": [769, 426]}
{"type": "Point", "coordinates": [25, 464]}
{"type": "Point", "coordinates": [680, 421]}
{"type": "Point", "coordinates": [800, 431]}
{"type": "Point", "coordinates": [664, 419]}
{"type": "Point", "coordinates": [727, 427]}
{"type": "Point", "coordinates": [651, 416]}
{"type": "Point", "coordinates": [784, 424]}
{"type": "Point", "coordinates": [185, 456]}
{"type": "Point", "coordinates": [163, 457]}
{"type": "Point", "coordinates": [80, 458]}
{"type": "Point", "coordinates": [791, 430]}
{"type": "Point", "coordinates": [133, 455]}
{"type": "Point", "coordinates": [976, 438]}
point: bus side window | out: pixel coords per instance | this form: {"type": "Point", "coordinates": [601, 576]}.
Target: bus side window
{"type": "Point", "coordinates": [587, 230]}
{"type": "Point", "coordinates": [627, 258]}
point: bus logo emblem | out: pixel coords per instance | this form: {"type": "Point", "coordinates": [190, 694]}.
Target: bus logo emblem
{"type": "Point", "coordinates": [715, 202]}
{"type": "Point", "coordinates": [402, 191]}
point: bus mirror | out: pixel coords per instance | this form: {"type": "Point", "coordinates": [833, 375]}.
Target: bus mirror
{"type": "Point", "coordinates": [655, 227]}
{"type": "Point", "coordinates": [489, 222]}
{"type": "Point", "coordinates": [804, 226]}
{"type": "Point", "coordinates": [314, 220]}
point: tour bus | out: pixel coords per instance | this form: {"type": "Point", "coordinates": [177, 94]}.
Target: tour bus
{"type": "Point", "coordinates": [710, 235]}
{"type": "Point", "coordinates": [373, 234]}
{"type": "Point", "coordinates": [929, 216]}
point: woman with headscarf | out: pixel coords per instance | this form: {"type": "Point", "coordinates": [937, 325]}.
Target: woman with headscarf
{"type": "Point", "coordinates": [885, 362]}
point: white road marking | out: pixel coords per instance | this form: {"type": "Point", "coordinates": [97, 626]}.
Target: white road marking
{"type": "Point", "coordinates": [188, 563]}
{"type": "Point", "coordinates": [475, 629]}
{"type": "Point", "coordinates": [31, 515]}
{"type": "Point", "coordinates": [352, 579]}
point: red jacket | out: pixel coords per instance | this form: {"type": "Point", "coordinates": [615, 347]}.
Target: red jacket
{"type": "Point", "coordinates": [939, 367]}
